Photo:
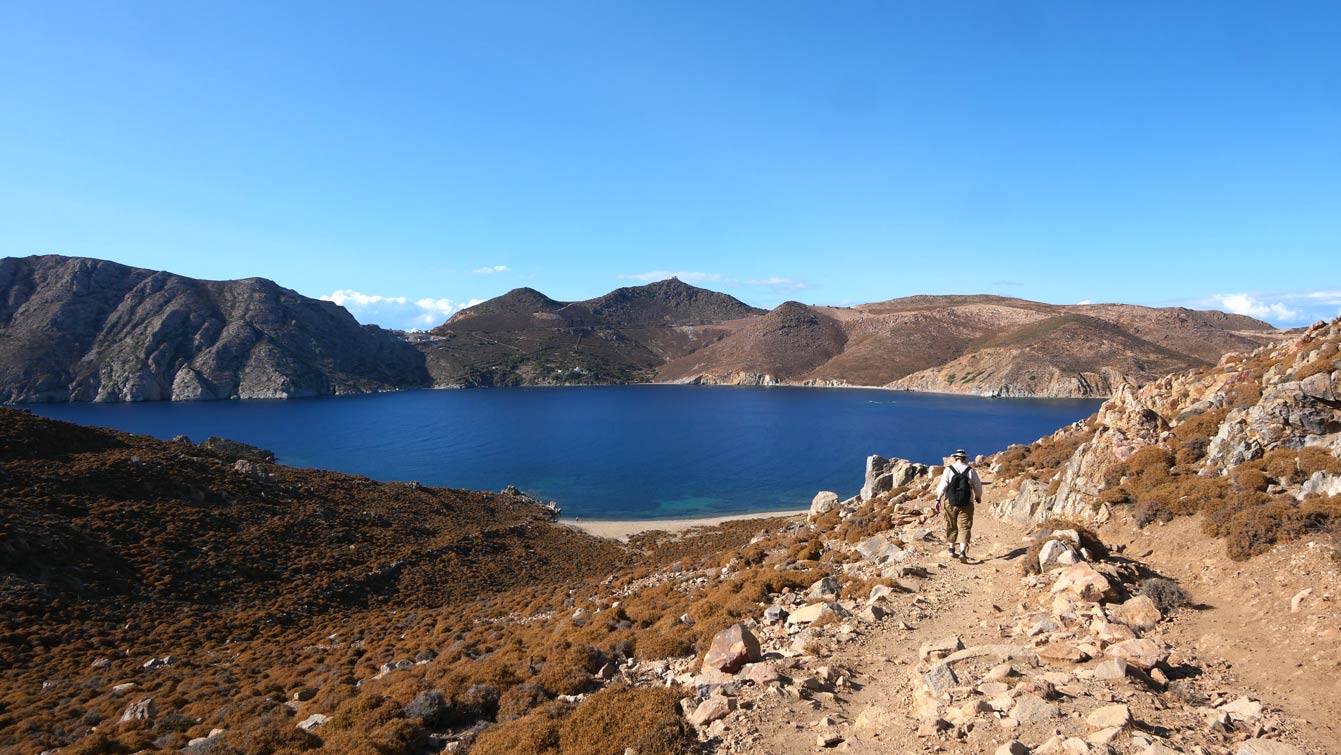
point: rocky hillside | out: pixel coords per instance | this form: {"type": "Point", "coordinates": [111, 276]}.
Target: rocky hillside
{"type": "Point", "coordinates": [673, 332]}
{"type": "Point", "coordinates": [74, 329]}
{"type": "Point", "coordinates": [1251, 443]}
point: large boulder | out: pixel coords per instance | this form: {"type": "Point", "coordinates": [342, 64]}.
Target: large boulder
{"type": "Point", "coordinates": [883, 475]}
{"type": "Point", "coordinates": [824, 502]}
{"type": "Point", "coordinates": [1084, 582]}
{"type": "Point", "coordinates": [731, 649]}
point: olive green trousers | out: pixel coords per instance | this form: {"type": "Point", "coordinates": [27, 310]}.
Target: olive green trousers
{"type": "Point", "coordinates": [958, 523]}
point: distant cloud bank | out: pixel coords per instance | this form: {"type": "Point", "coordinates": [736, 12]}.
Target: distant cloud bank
{"type": "Point", "coordinates": [1288, 309]}
{"type": "Point", "coordinates": [491, 269]}
{"type": "Point", "coordinates": [399, 312]}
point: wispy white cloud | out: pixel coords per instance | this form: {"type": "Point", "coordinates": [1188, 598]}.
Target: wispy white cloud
{"type": "Point", "coordinates": [661, 275]}
{"type": "Point", "coordinates": [1083, 302]}
{"type": "Point", "coordinates": [778, 282]}
{"type": "Point", "coordinates": [1287, 308]}
{"type": "Point", "coordinates": [398, 312]}
{"type": "Point", "coordinates": [491, 269]}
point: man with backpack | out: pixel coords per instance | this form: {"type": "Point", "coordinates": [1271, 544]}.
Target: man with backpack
{"type": "Point", "coordinates": [960, 488]}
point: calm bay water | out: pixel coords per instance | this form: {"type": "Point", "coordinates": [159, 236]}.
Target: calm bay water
{"type": "Point", "coordinates": [610, 452]}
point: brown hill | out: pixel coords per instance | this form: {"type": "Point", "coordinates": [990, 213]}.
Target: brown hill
{"type": "Point", "coordinates": [525, 338]}
{"type": "Point", "coordinates": [985, 345]}
{"type": "Point", "coordinates": [785, 344]}
{"type": "Point", "coordinates": [75, 329]}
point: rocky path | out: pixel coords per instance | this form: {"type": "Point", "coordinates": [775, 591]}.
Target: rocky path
{"type": "Point", "coordinates": [977, 658]}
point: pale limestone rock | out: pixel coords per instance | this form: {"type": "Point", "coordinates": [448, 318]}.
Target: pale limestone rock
{"type": "Point", "coordinates": [824, 502]}
{"type": "Point", "coordinates": [1109, 717]}
{"type": "Point", "coordinates": [1143, 653]}
{"type": "Point", "coordinates": [1139, 613]}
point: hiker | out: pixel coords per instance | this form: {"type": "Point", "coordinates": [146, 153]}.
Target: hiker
{"type": "Point", "coordinates": [960, 488]}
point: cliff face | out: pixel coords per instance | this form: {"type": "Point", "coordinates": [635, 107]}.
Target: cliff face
{"type": "Point", "coordinates": [74, 329]}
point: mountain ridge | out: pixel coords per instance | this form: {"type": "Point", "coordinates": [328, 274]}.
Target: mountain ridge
{"type": "Point", "coordinates": [79, 329]}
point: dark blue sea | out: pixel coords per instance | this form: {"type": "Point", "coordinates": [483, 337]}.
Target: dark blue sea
{"type": "Point", "coordinates": [624, 452]}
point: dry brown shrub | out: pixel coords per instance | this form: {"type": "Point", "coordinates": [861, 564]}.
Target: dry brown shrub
{"type": "Point", "coordinates": [1313, 459]}
{"type": "Point", "coordinates": [535, 734]}
{"type": "Point", "coordinates": [1252, 480]}
{"type": "Point", "coordinates": [520, 700]}
{"type": "Point", "coordinates": [1317, 366]}
{"type": "Point", "coordinates": [1243, 395]}
{"type": "Point", "coordinates": [364, 713]}
{"type": "Point", "coordinates": [668, 639]}
{"type": "Point", "coordinates": [647, 720]}
{"type": "Point", "coordinates": [268, 735]}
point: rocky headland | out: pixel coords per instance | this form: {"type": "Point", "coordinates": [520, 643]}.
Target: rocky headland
{"type": "Point", "coordinates": [75, 329]}
{"type": "Point", "coordinates": [1160, 578]}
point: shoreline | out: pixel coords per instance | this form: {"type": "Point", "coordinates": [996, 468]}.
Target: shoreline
{"type": "Point", "coordinates": [622, 529]}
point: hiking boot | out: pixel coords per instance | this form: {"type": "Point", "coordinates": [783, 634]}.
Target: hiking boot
{"type": "Point", "coordinates": [953, 552]}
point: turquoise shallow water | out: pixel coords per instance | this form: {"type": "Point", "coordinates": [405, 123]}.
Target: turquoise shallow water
{"type": "Point", "coordinates": [635, 452]}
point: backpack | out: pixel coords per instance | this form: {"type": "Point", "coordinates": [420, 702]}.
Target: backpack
{"type": "Point", "coordinates": [960, 490]}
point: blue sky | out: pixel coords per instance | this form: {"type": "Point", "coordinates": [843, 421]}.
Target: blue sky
{"type": "Point", "coordinates": [406, 159]}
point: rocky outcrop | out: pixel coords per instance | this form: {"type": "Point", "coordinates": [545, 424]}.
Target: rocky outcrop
{"type": "Point", "coordinates": [883, 475]}
{"type": "Point", "coordinates": [1279, 397]}
{"type": "Point", "coordinates": [75, 329]}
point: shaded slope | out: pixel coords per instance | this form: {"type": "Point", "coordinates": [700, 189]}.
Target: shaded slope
{"type": "Point", "coordinates": [89, 330]}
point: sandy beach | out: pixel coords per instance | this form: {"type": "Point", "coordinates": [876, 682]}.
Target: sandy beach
{"type": "Point", "coordinates": [621, 529]}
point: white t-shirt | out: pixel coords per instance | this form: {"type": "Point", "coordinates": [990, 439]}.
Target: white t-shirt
{"type": "Point", "coordinates": [959, 466]}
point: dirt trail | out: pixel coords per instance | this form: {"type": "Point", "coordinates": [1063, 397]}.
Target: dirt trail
{"type": "Point", "coordinates": [963, 600]}
{"type": "Point", "coordinates": [1214, 659]}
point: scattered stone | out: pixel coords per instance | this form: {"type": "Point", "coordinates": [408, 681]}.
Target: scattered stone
{"type": "Point", "coordinates": [313, 721]}
{"type": "Point", "coordinates": [811, 613]}
{"type": "Point", "coordinates": [1143, 653]}
{"type": "Point", "coordinates": [1029, 709]}
{"type": "Point", "coordinates": [141, 710]}
{"type": "Point", "coordinates": [775, 615]}
{"type": "Point", "coordinates": [1109, 717]}
{"type": "Point", "coordinates": [123, 688]}
{"type": "Point", "coordinates": [1243, 709]}
{"type": "Point", "coordinates": [1013, 747]}
{"type": "Point", "coordinates": [1111, 670]}
{"type": "Point", "coordinates": [731, 649]}
{"type": "Point", "coordinates": [828, 740]}
{"type": "Point", "coordinates": [940, 678]}
{"type": "Point", "coordinates": [712, 709]}
{"type": "Point", "coordinates": [760, 673]}
{"type": "Point", "coordinates": [304, 694]}
{"type": "Point", "coordinates": [1061, 651]}
{"type": "Point", "coordinates": [1083, 581]}
{"type": "Point", "coordinates": [938, 649]}
{"type": "Point", "coordinates": [1104, 737]}
{"type": "Point", "coordinates": [826, 589]}
{"type": "Point", "coordinates": [1297, 601]}
{"type": "Point", "coordinates": [872, 613]}
{"type": "Point", "coordinates": [1057, 553]}
{"type": "Point", "coordinates": [880, 549]}
{"type": "Point", "coordinates": [1139, 613]}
